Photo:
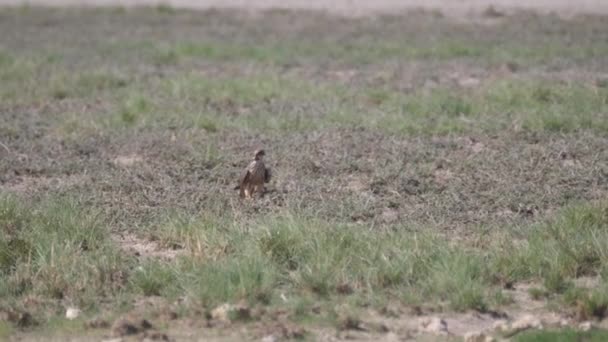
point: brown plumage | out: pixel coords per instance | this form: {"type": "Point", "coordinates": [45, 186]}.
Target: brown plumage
{"type": "Point", "coordinates": [254, 176]}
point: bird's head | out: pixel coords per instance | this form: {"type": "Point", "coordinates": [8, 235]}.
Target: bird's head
{"type": "Point", "coordinates": [258, 154]}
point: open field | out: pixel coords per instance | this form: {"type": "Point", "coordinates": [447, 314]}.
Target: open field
{"type": "Point", "coordinates": [424, 167]}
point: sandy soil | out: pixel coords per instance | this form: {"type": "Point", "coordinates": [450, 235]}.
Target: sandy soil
{"type": "Point", "coordinates": [356, 7]}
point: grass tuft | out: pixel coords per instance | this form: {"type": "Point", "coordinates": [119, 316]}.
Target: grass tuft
{"type": "Point", "coordinates": [56, 251]}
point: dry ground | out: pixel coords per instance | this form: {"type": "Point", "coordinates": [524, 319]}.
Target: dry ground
{"type": "Point", "coordinates": [424, 167]}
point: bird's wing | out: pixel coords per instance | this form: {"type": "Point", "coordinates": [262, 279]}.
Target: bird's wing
{"type": "Point", "coordinates": [267, 175]}
{"type": "Point", "coordinates": [244, 178]}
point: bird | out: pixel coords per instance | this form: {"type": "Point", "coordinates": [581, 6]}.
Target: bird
{"type": "Point", "coordinates": [254, 176]}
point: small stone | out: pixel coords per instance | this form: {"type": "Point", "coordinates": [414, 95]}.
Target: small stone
{"type": "Point", "coordinates": [585, 326]}
{"type": "Point", "coordinates": [390, 216]}
{"type": "Point", "coordinates": [527, 322]}
{"type": "Point", "coordinates": [500, 326]}
{"type": "Point", "coordinates": [226, 312]}
{"type": "Point", "coordinates": [269, 338]}
{"type": "Point", "coordinates": [523, 323]}
{"type": "Point", "coordinates": [72, 313]}
{"type": "Point", "coordinates": [475, 336]}
{"type": "Point", "coordinates": [391, 337]}
{"type": "Point", "coordinates": [468, 82]}
{"type": "Point", "coordinates": [156, 336]}
{"type": "Point", "coordinates": [126, 161]}
{"type": "Point", "coordinates": [220, 313]}
{"type": "Point", "coordinates": [434, 325]}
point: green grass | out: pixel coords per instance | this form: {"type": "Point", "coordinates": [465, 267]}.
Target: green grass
{"type": "Point", "coordinates": [5, 329]}
{"type": "Point", "coordinates": [54, 251]}
{"type": "Point", "coordinates": [555, 252]}
{"type": "Point", "coordinates": [136, 82]}
{"type": "Point", "coordinates": [309, 257]}
{"type": "Point", "coordinates": [506, 104]}
{"type": "Point", "coordinates": [366, 48]}
{"type": "Point", "coordinates": [58, 252]}
{"type": "Point", "coordinates": [272, 103]}
{"type": "Point", "coordinates": [563, 336]}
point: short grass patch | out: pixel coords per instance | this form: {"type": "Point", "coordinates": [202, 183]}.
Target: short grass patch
{"type": "Point", "coordinates": [286, 104]}
{"type": "Point", "coordinates": [568, 335]}
{"type": "Point", "coordinates": [192, 76]}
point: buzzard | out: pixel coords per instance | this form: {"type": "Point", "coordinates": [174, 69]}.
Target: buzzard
{"type": "Point", "coordinates": [254, 176]}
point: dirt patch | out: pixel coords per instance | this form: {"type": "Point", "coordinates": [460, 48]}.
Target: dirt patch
{"type": "Point", "coordinates": [127, 161]}
{"type": "Point", "coordinates": [420, 323]}
{"type": "Point", "coordinates": [503, 179]}
{"type": "Point", "coordinates": [134, 245]}
{"type": "Point", "coordinates": [32, 184]}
